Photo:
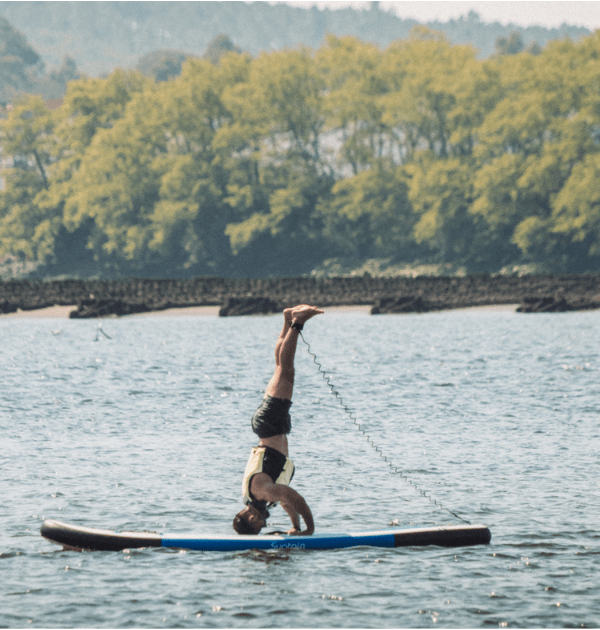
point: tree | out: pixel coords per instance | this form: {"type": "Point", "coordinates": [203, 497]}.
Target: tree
{"type": "Point", "coordinates": [279, 173]}
{"type": "Point", "coordinates": [511, 45]}
{"type": "Point", "coordinates": [441, 193]}
{"type": "Point", "coordinates": [267, 166]}
{"type": "Point", "coordinates": [161, 65]}
{"type": "Point", "coordinates": [17, 60]}
{"type": "Point", "coordinates": [350, 105]}
{"type": "Point", "coordinates": [220, 46]}
{"type": "Point", "coordinates": [190, 216]}
{"type": "Point", "coordinates": [54, 144]}
{"type": "Point", "coordinates": [117, 185]}
{"type": "Point", "coordinates": [535, 147]}
{"type": "Point", "coordinates": [152, 184]}
{"type": "Point", "coordinates": [425, 75]}
{"type": "Point", "coordinates": [369, 215]}
{"type": "Point", "coordinates": [67, 72]}
{"type": "Point", "coordinates": [27, 230]}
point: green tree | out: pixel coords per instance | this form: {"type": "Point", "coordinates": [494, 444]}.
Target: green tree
{"type": "Point", "coordinates": [353, 114]}
{"type": "Point", "coordinates": [26, 229]}
{"type": "Point", "coordinates": [161, 65]}
{"type": "Point", "coordinates": [192, 212]}
{"type": "Point", "coordinates": [426, 77]}
{"type": "Point", "coordinates": [533, 146]}
{"type": "Point", "coordinates": [441, 194]}
{"type": "Point", "coordinates": [152, 184]}
{"type": "Point", "coordinates": [51, 146]}
{"type": "Point", "coordinates": [90, 106]}
{"type": "Point", "coordinates": [280, 173]}
{"type": "Point", "coordinates": [369, 215]}
{"type": "Point", "coordinates": [510, 45]}
{"type": "Point", "coordinates": [218, 47]}
{"type": "Point", "coordinates": [116, 185]}
{"type": "Point", "coordinates": [267, 166]}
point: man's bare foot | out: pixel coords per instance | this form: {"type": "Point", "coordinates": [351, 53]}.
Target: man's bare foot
{"type": "Point", "coordinates": [287, 315]}
{"type": "Point", "coordinates": [304, 312]}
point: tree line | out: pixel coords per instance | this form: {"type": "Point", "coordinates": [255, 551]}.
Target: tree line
{"type": "Point", "coordinates": [103, 35]}
{"type": "Point", "coordinates": [269, 165]}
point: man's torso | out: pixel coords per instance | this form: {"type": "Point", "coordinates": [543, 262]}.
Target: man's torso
{"type": "Point", "coordinates": [265, 460]}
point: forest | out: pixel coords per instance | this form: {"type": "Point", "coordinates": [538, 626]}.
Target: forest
{"type": "Point", "coordinates": [100, 36]}
{"type": "Point", "coordinates": [280, 163]}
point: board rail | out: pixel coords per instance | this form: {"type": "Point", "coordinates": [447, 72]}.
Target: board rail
{"type": "Point", "coordinates": [93, 539]}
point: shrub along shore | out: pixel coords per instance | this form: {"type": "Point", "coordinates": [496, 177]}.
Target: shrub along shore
{"type": "Point", "coordinates": [97, 298]}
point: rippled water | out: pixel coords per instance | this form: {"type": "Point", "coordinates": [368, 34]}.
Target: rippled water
{"type": "Point", "coordinates": [495, 414]}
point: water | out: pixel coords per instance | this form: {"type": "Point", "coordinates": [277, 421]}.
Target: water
{"type": "Point", "coordinates": [493, 413]}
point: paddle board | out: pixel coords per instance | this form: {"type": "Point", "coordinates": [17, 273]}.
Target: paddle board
{"type": "Point", "coordinates": [89, 538]}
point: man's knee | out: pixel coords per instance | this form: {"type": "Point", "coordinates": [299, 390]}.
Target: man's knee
{"type": "Point", "coordinates": [287, 373]}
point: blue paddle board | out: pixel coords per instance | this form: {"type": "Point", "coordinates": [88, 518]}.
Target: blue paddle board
{"type": "Point", "coordinates": [89, 538]}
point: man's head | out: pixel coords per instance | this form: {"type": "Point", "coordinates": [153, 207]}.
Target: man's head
{"type": "Point", "coordinates": [250, 521]}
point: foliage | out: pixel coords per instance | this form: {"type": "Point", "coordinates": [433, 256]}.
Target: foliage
{"type": "Point", "coordinates": [272, 165]}
{"type": "Point", "coordinates": [510, 45]}
{"type": "Point", "coordinates": [161, 65]}
{"type": "Point", "coordinates": [219, 46]}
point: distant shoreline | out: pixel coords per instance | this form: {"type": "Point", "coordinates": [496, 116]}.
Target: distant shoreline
{"type": "Point", "coordinates": [62, 312]}
{"type": "Point", "coordinates": [226, 296]}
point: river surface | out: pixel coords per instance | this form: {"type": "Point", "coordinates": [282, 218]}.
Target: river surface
{"type": "Point", "coordinates": [494, 414]}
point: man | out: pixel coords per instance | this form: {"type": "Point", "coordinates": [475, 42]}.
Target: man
{"type": "Point", "coordinates": [269, 469]}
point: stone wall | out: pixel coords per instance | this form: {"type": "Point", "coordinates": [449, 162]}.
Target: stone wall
{"type": "Point", "coordinates": [94, 297]}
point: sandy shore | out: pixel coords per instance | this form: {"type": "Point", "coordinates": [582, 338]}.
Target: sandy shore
{"type": "Point", "coordinates": [51, 312]}
{"type": "Point", "coordinates": [195, 311]}
{"type": "Point", "coordinates": [191, 311]}
{"type": "Point", "coordinates": [58, 312]}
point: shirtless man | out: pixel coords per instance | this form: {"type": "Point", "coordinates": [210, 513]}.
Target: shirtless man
{"type": "Point", "coordinates": [269, 470]}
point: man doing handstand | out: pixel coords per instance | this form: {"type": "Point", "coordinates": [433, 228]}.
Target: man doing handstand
{"type": "Point", "coordinates": [269, 470]}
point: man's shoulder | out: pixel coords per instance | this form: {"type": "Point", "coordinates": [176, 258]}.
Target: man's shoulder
{"type": "Point", "coordinates": [261, 486]}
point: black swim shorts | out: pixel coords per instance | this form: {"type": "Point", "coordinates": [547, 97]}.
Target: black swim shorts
{"type": "Point", "coordinates": [272, 417]}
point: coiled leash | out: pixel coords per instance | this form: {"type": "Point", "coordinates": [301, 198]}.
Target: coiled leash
{"type": "Point", "coordinates": [393, 468]}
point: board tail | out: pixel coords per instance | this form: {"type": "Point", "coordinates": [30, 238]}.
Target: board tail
{"type": "Point", "coordinates": [88, 538]}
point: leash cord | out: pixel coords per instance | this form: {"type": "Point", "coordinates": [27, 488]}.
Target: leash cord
{"type": "Point", "coordinates": [101, 331]}
{"type": "Point", "coordinates": [393, 468]}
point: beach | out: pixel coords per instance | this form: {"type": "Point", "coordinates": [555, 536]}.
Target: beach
{"type": "Point", "coordinates": [62, 312]}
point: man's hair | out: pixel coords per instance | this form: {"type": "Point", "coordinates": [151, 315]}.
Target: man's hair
{"type": "Point", "coordinates": [242, 526]}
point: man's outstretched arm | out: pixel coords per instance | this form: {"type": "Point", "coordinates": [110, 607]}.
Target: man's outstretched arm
{"type": "Point", "coordinates": [296, 507]}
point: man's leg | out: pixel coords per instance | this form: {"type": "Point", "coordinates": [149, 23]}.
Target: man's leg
{"type": "Point", "coordinates": [282, 382]}
{"type": "Point", "coordinates": [250, 520]}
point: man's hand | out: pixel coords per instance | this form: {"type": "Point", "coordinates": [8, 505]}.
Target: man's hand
{"type": "Point", "coordinates": [294, 532]}
{"type": "Point", "coordinates": [291, 532]}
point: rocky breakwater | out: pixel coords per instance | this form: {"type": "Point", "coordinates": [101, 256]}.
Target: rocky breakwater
{"type": "Point", "coordinates": [97, 298]}
{"type": "Point", "coordinates": [533, 294]}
